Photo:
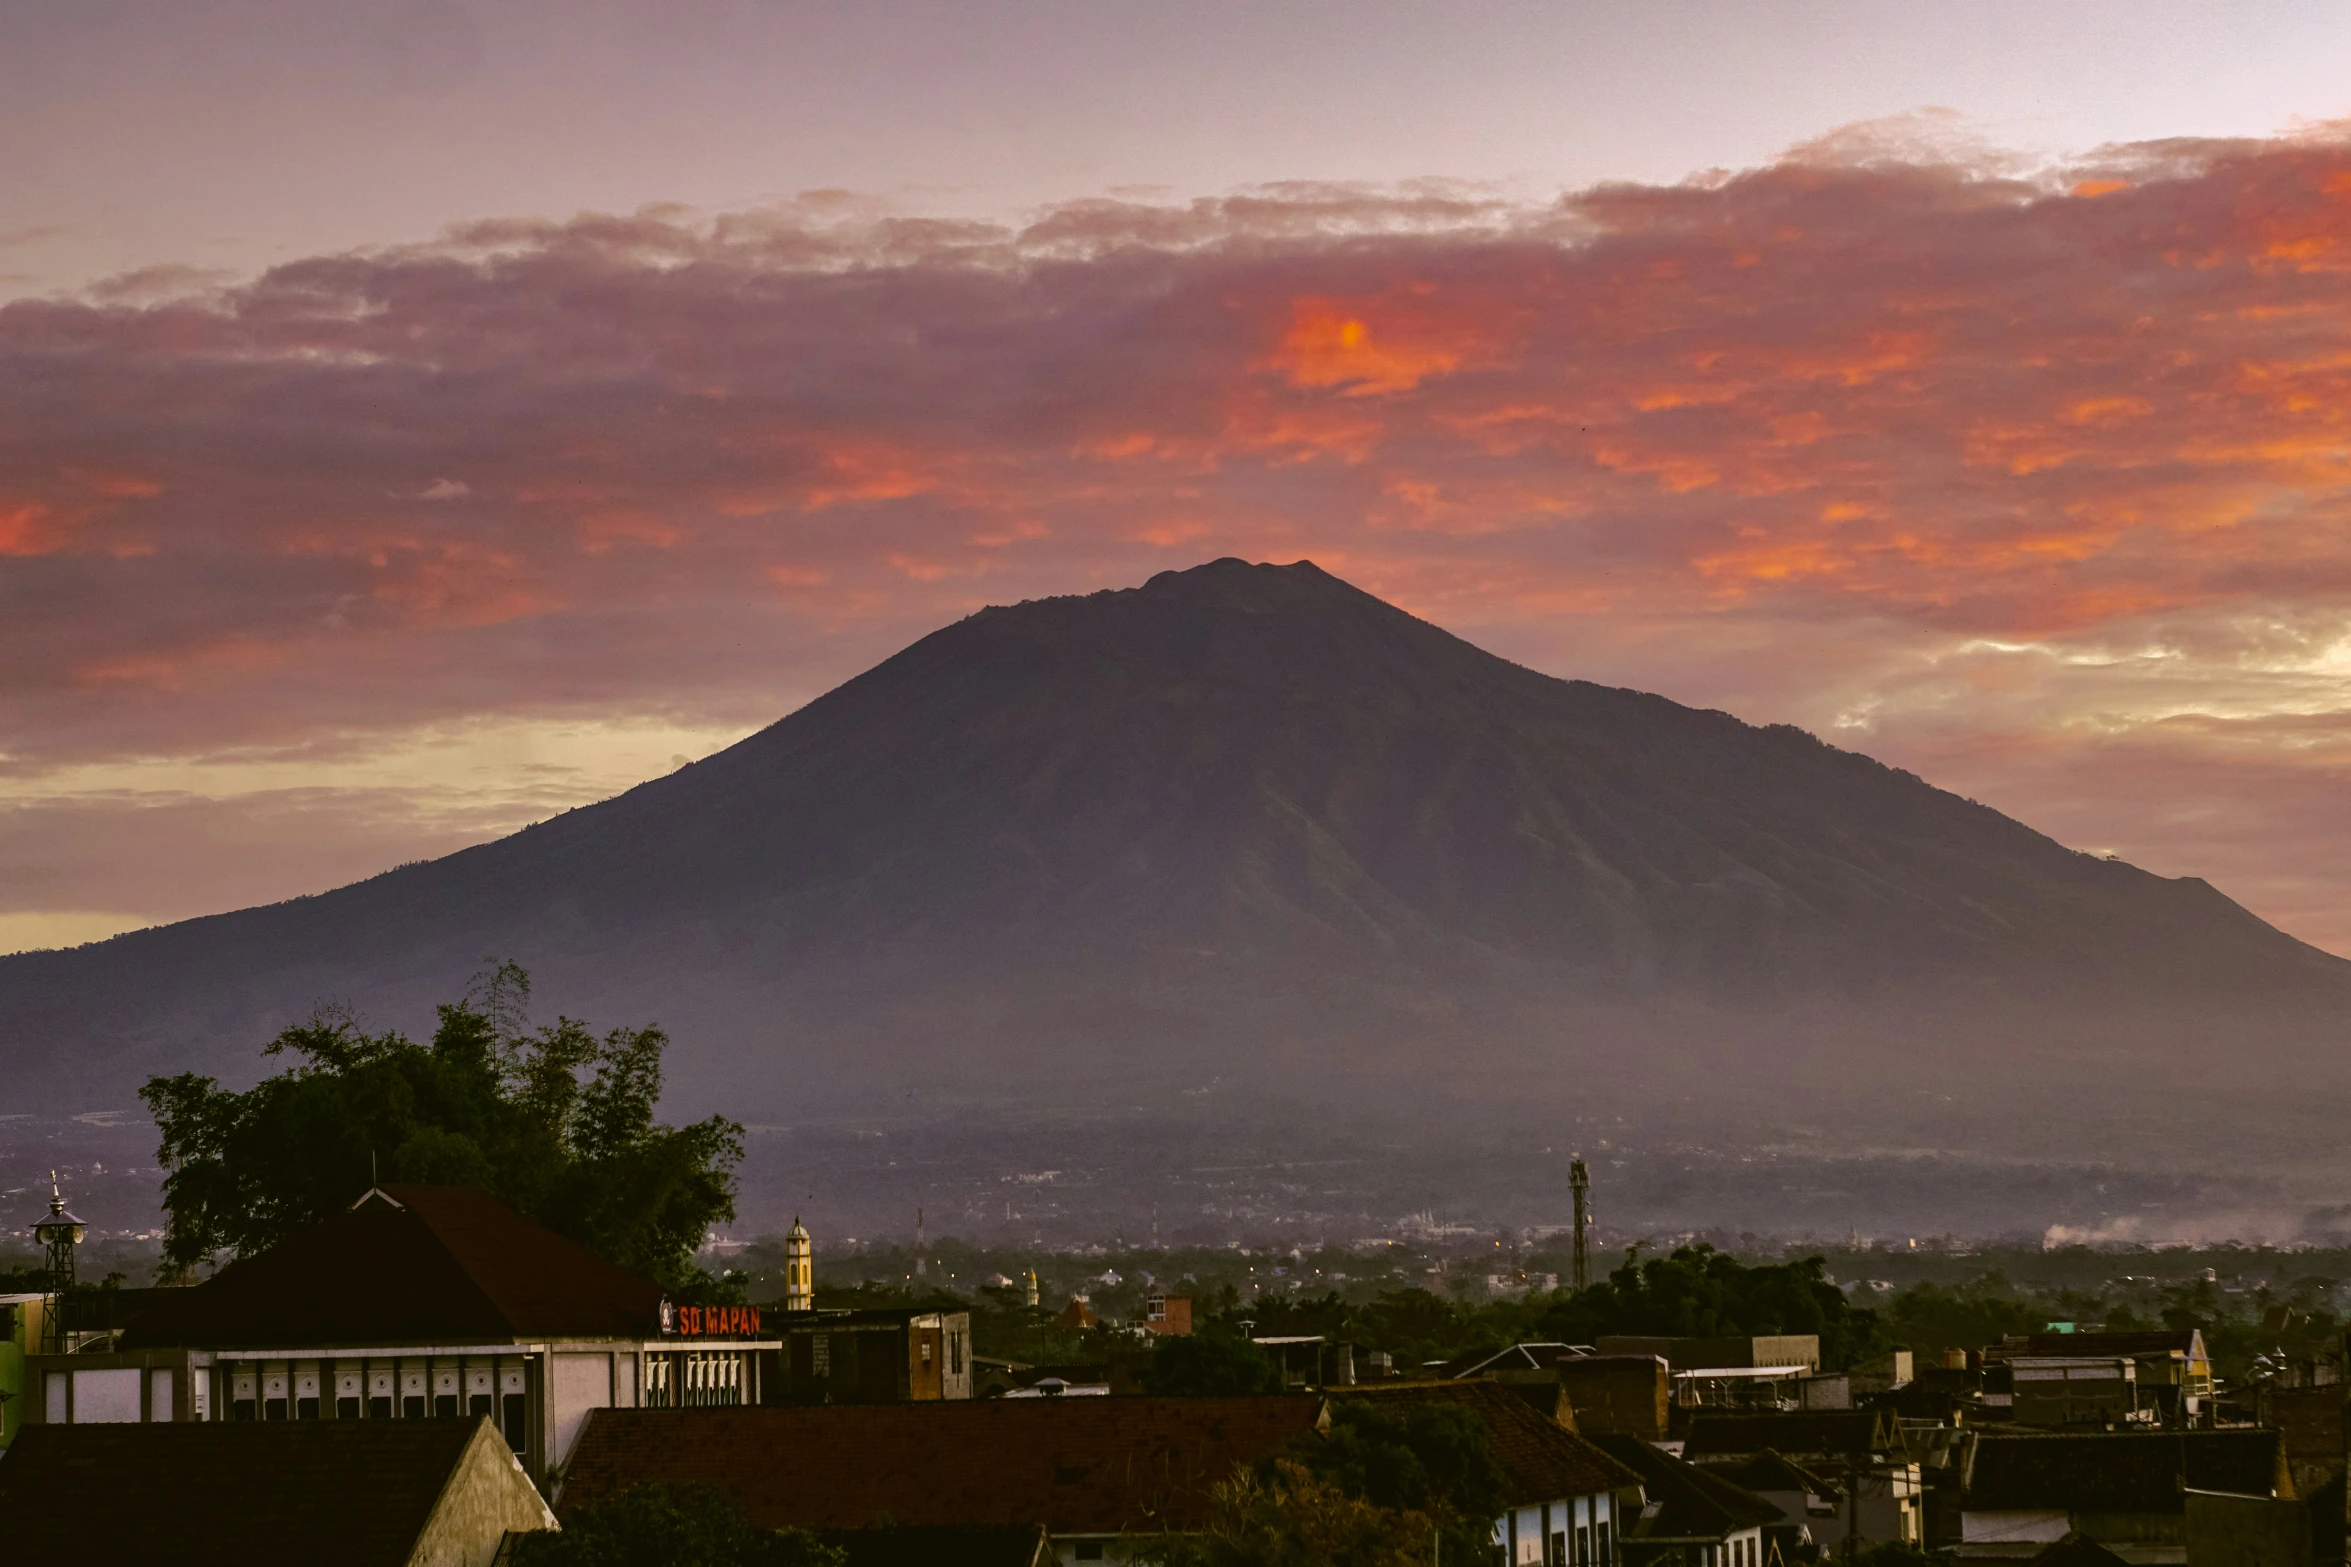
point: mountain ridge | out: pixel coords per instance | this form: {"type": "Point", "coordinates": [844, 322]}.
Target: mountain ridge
{"type": "Point", "coordinates": [1235, 803]}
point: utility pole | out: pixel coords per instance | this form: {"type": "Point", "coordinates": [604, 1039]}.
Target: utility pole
{"type": "Point", "coordinates": [1579, 1181]}
{"type": "Point", "coordinates": [921, 1255]}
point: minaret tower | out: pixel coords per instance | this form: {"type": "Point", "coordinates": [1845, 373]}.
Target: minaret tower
{"type": "Point", "coordinates": [1579, 1181]}
{"type": "Point", "coordinates": [799, 1269]}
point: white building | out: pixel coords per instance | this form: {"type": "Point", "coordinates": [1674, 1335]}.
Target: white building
{"type": "Point", "coordinates": [421, 1302]}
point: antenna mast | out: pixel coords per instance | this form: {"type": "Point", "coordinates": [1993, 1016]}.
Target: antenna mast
{"type": "Point", "coordinates": [1579, 1181]}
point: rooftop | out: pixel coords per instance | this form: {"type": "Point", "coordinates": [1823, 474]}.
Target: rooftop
{"type": "Point", "coordinates": [249, 1495]}
{"type": "Point", "coordinates": [2121, 1471]}
{"type": "Point", "coordinates": [1692, 1503]}
{"type": "Point", "coordinates": [1074, 1466]}
{"type": "Point", "coordinates": [1541, 1459]}
{"type": "Point", "coordinates": [408, 1265]}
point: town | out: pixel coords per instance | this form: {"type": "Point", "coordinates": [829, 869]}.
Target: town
{"type": "Point", "coordinates": [436, 1377]}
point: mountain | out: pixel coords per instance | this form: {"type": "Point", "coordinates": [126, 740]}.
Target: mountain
{"type": "Point", "coordinates": [1245, 824]}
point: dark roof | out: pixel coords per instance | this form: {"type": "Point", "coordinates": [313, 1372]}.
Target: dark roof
{"type": "Point", "coordinates": [2077, 1550]}
{"type": "Point", "coordinates": [1692, 1503]}
{"type": "Point", "coordinates": [965, 1545]}
{"type": "Point", "coordinates": [1770, 1471]}
{"type": "Point", "coordinates": [1072, 1465]}
{"type": "Point", "coordinates": [409, 1265]}
{"type": "Point", "coordinates": [2121, 1471]}
{"type": "Point", "coordinates": [249, 1494]}
{"type": "Point", "coordinates": [1811, 1433]}
{"type": "Point", "coordinates": [2161, 1341]}
{"type": "Point", "coordinates": [1541, 1460]}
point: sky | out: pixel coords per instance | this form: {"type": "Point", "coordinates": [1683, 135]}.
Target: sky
{"type": "Point", "coordinates": [417, 418]}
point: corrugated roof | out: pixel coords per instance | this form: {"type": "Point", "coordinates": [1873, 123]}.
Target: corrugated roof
{"type": "Point", "coordinates": [1692, 1503]}
{"type": "Point", "coordinates": [357, 1492]}
{"type": "Point", "coordinates": [409, 1265]}
{"type": "Point", "coordinates": [2077, 1550]}
{"type": "Point", "coordinates": [1770, 1471]}
{"type": "Point", "coordinates": [1541, 1460]}
{"type": "Point", "coordinates": [1074, 1466]}
{"type": "Point", "coordinates": [2121, 1471]}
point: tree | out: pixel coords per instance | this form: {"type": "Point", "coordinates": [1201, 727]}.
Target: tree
{"type": "Point", "coordinates": [554, 1120]}
{"type": "Point", "coordinates": [1210, 1365]}
{"type": "Point", "coordinates": [1289, 1517]}
{"type": "Point", "coordinates": [671, 1526]}
{"type": "Point", "coordinates": [1701, 1292]}
{"type": "Point", "coordinates": [1435, 1461]}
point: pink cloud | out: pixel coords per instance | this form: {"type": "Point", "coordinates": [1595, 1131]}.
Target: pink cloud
{"type": "Point", "coordinates": [1892, 398]}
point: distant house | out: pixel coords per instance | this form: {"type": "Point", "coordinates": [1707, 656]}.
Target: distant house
{"type": "Point", "coordinates": [1691, 1517]}
{"type": "Point", "coordinates": [1076, 1317]}
{"type": "Point", "coordinates": [1567, 1500]}
{"type": "Point", "coordinates": [359, 1493]}
{"type": "Point", "coordinates": [1862, 1451]}
{"type": "Point", "coordinates": [885, 1356]}
{"type": "Point", "coordinates": [2125, 1490]}
{"type": "Point", "coordinates": [1103, 1476]}
{"type": "Point", "coordinates": [420, 1303]}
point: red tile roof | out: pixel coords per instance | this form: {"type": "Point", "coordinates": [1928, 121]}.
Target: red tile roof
{"type": "Point", "coordinates": [1073, 1465]}
{"type": "Point", "coordinates": [409, 1265]}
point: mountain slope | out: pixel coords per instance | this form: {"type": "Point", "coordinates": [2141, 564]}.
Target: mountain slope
{"type": "Point", "coordinates": [1237, 806]}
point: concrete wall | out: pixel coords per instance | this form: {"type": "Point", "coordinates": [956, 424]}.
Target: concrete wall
{"type": "Point", "coordinates": [2246, 1531]}
{"type": "Point", "coordinates": [1622, 1395]}
{"type": "Point", "coordinates": [487, 1495]}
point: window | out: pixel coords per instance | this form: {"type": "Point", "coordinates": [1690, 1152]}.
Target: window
{"type": "Point", "coordinates": [347, 1408]}
{"type": "Point", "coordinates": [820, 1354]}
{"type": "Point", "coordinates": [1558, 1556]}
{"type": "Point", "coordinates": [477, 1404]}
{"type": "Point", "coordinates": [273, 1409]}
{"type": "Point", "coordinates": [380, 1407]}
{"type": "Point", "coordinates": [517, 1432]}
{"type": "Point", "coordinates": [444, 1406]}
{"type": "Point", "coordinates": [955, 1354]}
{"type": "Point", "coordinates": [412, 1406]}
{"type": "Point", "coordinates": [1604, 1547]}
{"type": "Point", "coordinates": [926, 1354]}
{"type": "Point", "coordinates": [306, 1409]}
{"type": "Point", "coordinates": [1089, 1550]}
{"type": "Point", "coordinates": [1583, 1546]}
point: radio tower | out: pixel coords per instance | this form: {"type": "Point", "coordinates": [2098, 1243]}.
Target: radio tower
{"type": "Point", "coordinates": [1579, 1181]}
{"type": "Point", "coordinates": [921, 1255]}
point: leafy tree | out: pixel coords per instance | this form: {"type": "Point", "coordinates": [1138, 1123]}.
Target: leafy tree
{"type": "Point", "coordinates": [1700, 1292]}
{"type": "Point", "coordinates": [554, 1120]}
{"type": "Point", "coordinates": [671, 1526]}
{"type": "Point", "coordinates": [1434, 1461]}
{"type": "Point", "coordinates": [1208, 1365]}
{"type": "Point", "coordinates": [1289, 1517]}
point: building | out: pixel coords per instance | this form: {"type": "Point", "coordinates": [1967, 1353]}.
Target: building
{"type": "Point", "coordinates": [2127, 1491]}
{"type": "Point", "coordinates": [1103, 1476]}
{"type": "Point", "coordinates": [1168, 1316]}
{"type": "Point", "coordinates": [359, 1493]}
{"type": "Point", "coordinates": [1569, 1502]}
{"type": "Point", "coordinates": [421, 1302]}
{"type": "Point", "coordinates": [1861, 1451]}
{"type": "Point", "coordinates": [1802, 1497]}
{"type": "Point", "coordinates": [890, 1355]}
{"type": "Point", "coordinates": [25, 1319]}
{"type": "Point", "coordinates": [2096, 1392]}
{"type": "Point", "coordinates": [2170, 1367]}
{"type": "Point", "coordinates": [1691, 1516]}
{"type": "Point", "coordinates": [1763, 1351]}
{"type": "Point", "coordinates": [799, 1268]}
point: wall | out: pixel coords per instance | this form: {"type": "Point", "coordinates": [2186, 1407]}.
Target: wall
{"type": "Point", "coordinates": [1622, 1395]}
{"type": "Point", "coordinates": [487, 1495]}
{"type": "Point", "coordinates": [2247, 1531]}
